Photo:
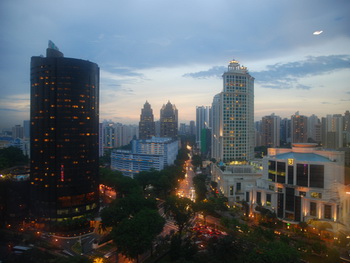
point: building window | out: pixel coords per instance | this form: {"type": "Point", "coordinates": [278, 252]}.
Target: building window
{"type": "Point", "coordinates": [239, 187]}
{"type": "Point", "coordinates": [268, 199]}
{"type": "Point", "coordinates": [316, 195]}
{"type": "Point", "coordinates": [302, 174]}
{"type": "Point", "coordinates": [281, 172]}
{"type": "Point", "coordinates": [247, 197]}
{"type": "Point", "coordinates": [272, 170]}
{"type": "Point", "coordinates": [327, 212]}
{"type": "Point", "coordinates": [290, 174]}
{"type": "Point", "coordinates": [290, 199]}
{"type": "Point", "coordinates": [258, 198]}
{"type": "Point", "coordinates": [231, 190]}
{"type": "Point", "coordinates": [313, 209]}
{"type": "Point", "coordinates": [316, 176]}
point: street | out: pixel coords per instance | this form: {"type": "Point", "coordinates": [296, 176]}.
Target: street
{"type": "Point", "coordinates": [186, 188]}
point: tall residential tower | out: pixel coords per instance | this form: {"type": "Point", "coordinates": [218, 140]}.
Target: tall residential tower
{"type": "Point", "coordinates": [64, 117]}
{"type": "Point", "coordinates": [233, 116]}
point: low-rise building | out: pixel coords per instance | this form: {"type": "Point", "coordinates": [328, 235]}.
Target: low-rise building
{"type": "Point", "coordinates": [236, 181]}
{"type": "Point", "coordinates": [155, 153]}
{"type": "Point", "coordinates": [303, 183]}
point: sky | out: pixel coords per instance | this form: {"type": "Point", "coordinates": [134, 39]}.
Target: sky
{"type": "Point", "coordinates": [177, 51]}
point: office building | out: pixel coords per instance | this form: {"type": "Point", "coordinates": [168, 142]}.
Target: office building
{"type": "Point", "coordinates": [233, 116]}
{"type": "Point", "coordinates": [155, 153]}
{"type": "Point", "coordinates": [168, 121]}
{"type": "Point", "coordinates": [236, 181]}
{"type": "Point", "coordinates": [192, 128]}
{"type": "Point", "coordinates": [303, 183]}
{"type": "Point", "coordinates": [64, 118]}
{"type": "Point", "coordinates": [202, 121]}
{"type": "Point", "coordinates": [147, 127]}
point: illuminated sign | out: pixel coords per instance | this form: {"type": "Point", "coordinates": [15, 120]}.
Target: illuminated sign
{"type": "Point", "coordinates": [290, 161]}
{"type": "Point", "coordinates": [62, 173]}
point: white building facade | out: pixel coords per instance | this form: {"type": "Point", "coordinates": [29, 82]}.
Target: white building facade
{"type": "Point", "coordinates": [303, 183]}
{"type": "Point", "coordinates": [236, 182]}
{"type": "Point", "coordinates": [234, 136]}
{"type": "Point", "coordinates": [155, 153]}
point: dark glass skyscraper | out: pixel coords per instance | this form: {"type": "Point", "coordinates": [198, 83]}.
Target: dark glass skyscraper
{"type": "Point", "coordinates": [168, 121]}
{"type": "Point", "coordinates": [146, 126]}
{"type": "Point", "coordinates": [64, 129]}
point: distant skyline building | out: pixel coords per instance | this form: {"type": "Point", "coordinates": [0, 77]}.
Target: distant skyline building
{"type": "Point", "coordinates": [298, 128]}
{"type": "Point", "coordinates": [64, 117]}
{"type": "Point", "coordinates": [17, 132]}
{"type": "Point", "coordinates": [233, 116]}
{"type": "Point", "coordinates": [270, 131]}
{"type": "Point", "coordinates": [202, 121]}
{"type": "Point", "coordinates": [169, 121]}
{"type": "Point", "coordinates": [314, 128]}
{"type": "Point", "coordinates": [332, 131]}
{"type": "Point", "coordinates": [147, 127]}
{"type": "Point", "coordinates": [285, 131]}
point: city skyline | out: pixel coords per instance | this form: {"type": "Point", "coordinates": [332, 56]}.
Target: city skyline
{"type": "Point", "coordinates": [164, 51]}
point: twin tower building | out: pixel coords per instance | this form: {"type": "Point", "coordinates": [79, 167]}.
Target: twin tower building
{"type": "Point", "coordinates": [168, 122]}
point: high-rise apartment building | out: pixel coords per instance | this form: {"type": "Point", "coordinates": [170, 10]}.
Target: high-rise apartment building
{"type": "Point", "coordinates": [270, 131]}
{"type": "Point", "coordinates": [147, 127]}
{"type": "Point", "coordinates": [298, 128]}
{"type": "Point", "coordinates": [233, 116]}
{"type": "Point", "coordinates": [64, 117]}
{"type": "Point", "coordinates": [168, 121]}
{"type": "Point", "coordinates": [332, 131]}
{"type": "Point", "coordinates": [314, 128]}
{"type": "Point", "coordinates": [285, 131]}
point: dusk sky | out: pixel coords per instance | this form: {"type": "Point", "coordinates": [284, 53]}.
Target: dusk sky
{"type": "Point", "coordinates": [160, 50]}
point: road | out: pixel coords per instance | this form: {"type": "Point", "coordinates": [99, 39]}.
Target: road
{"type": "Point", "coordinates": [186, 188]}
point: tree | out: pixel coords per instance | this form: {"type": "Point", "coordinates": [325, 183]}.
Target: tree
{"type": "Point", "coordinates": [200, 187]}
{"type": "Point", "coordinates": [126, 207]}
{"type": "Point", "coordinates": [134, 236]}
{"type": "Point", "coordinates": [197, 160]}
{"type": "Point", "coordinates": [12, 156]}
{"type": "Point", "coordinates": [204, 207]}
{"type": "Point", "coordinates": [181, 209]}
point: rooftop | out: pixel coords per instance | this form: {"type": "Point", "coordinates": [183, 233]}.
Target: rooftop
{"type": "Point", "coordinates": [304, 157]}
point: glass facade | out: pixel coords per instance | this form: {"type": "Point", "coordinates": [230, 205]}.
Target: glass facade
{"type": "Point", "coordinates": [64, 136]}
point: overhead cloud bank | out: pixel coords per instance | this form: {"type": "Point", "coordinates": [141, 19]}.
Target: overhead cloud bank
{"type": "Point", "coordinates": [287, 75]}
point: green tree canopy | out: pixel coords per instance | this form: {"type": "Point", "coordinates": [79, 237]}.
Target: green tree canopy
{"type": "Point", "coordinates": [126, 207]}
{"type": "Point", "coordinates": [12, 156]}
{"type": "Point", "coordinates": [181, 209]}
{"type": "Point", "coordinates": [134, 235]}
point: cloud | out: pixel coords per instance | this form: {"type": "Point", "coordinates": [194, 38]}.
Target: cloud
{"type": "Point", "coordinates": [215, 71]}
{"type": "Point", "coordinates": [311, 66]}
{"type": "Point", "coordinates": [286, 75]}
